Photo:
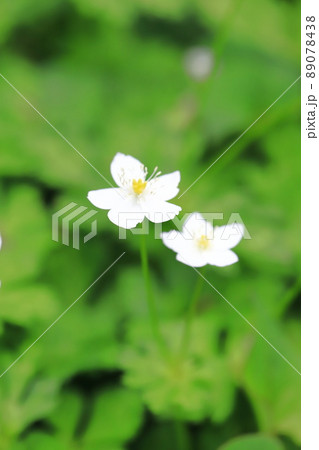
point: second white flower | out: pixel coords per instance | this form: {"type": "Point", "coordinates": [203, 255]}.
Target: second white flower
{"type": "Point", "coordinates": [200, 243]}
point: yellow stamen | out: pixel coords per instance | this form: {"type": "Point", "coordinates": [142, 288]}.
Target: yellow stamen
{"type": "Point", "coordinates": [139, 186]}
{"type": "Point", "coordinates": [203, 242]}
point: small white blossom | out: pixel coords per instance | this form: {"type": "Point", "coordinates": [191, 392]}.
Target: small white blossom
{"type": "Point", "coordinates": [200, 243]}
{"type": "Point", "coordinates": [137, 196]}
{"type": "Point", "coordinates": [199, 63]}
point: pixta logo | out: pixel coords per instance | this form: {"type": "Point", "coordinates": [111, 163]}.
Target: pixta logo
{"type": "Point", "coordinates": [71, 227]}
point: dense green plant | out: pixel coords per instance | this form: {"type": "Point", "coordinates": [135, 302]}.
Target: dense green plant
{"type": "Point", "coordinates": [110, 77]}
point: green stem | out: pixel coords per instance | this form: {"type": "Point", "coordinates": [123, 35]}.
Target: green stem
{"type": "Point", "coordinates": [190, 315]}
{"type": "Point", "coordinates": [150, 298]}
{"type": "Point", "coordinates": [182, 436]}
{"type": "Point", "coordinates": [225, 30]}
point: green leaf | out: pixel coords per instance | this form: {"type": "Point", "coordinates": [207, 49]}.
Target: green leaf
{"type": "Point", "coordinates": [193, 387]}
{"type": "Point", "coordinates": [253, 442]}
{"type": "Point", "coordinates": [25, 397]}
{"type": "Point", "coordinates": [117, 416]}
{"type": "Point", "coordinates": [26, 234]}
{"type": "Point", "coordinates": [26, 304]}
{"type": "Point", "coordinates": [274, 388]}
{"type": "Point", "coordinates": [66, 415]}
{"type": "Point", "coordinates": [39, 441]}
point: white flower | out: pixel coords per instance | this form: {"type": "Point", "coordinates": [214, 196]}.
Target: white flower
{"type": "Point", "coordinates": [199, 243]}
{"type": "Point", "coordinates": [137, 196]}
{"type": "Point", "coordinates": [199, 62]}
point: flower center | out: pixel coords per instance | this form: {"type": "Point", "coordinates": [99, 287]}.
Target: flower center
{"type": "Point", "coordinates": [203, 242]}
{"type": "Point", "coordinates": [139, 186]}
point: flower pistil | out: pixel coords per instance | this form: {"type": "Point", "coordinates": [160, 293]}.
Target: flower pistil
{"type": "Point", "coordinates": [203, 242]}
{"type": "Point", "coordinates": [139, 186]}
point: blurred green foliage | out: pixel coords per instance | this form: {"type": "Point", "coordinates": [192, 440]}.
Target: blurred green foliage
{"type": "Point", "coordinates": [110, 77]}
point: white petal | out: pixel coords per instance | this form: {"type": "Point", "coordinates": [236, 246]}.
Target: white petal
{"type": "Point", "coordinates": [190, 254]}
{"type": "Point", "coordinates": [127, 213]}
{"type": "Point", "coordinates": [194, 259]}
{"type": "Point", "coordinates": [196, 225]}
{"type": "Point", "coordinates": [173, 240]}
{"type": "Point", "coordinates": [222, 258]}
{"type": "Point", "coordinates": [160, 211]}
{"type": "Point", "coordinates": [186, 249]}
{"type": "Point", "coordinates": [128, 219]}
{"type": "Point", "coordinates": [228, 236]}
{"type": "Point", "coordinates": [165, 186]}
{"type": "Point", "coordinates": [125, 168]}
{"type": "Point", "coordinates": [106, 198]}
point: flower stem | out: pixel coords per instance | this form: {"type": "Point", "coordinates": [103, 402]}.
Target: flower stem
{"type": "Point", "coordinates": [150, 298]}
{"type": "Point", "coordinates": [190, 316]}
{"type": "Point", "coordinates": [224, 31]}
{"type": "Point", "coordinates": [182, 436]}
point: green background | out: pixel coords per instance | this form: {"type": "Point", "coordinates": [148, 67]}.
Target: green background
{"type": "Point", "coordinates": [110, 76]}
